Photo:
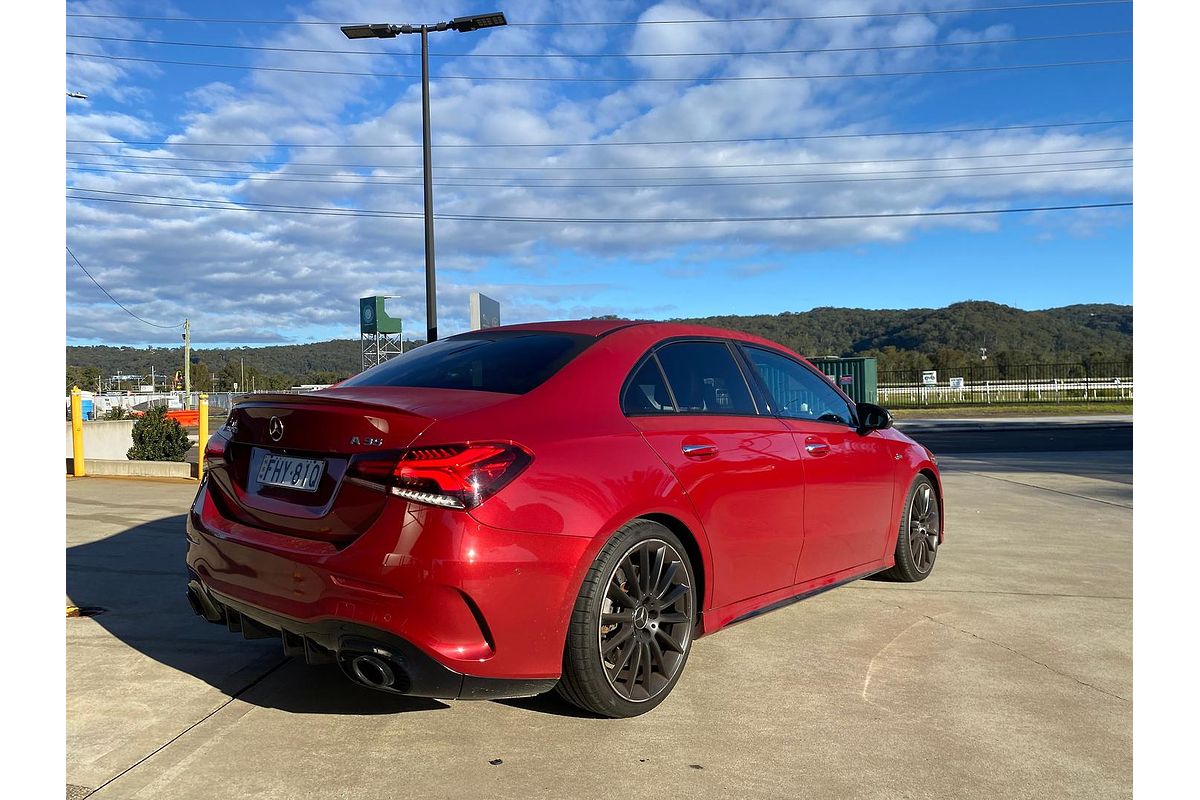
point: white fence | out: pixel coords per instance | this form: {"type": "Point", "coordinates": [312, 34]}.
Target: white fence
{"type": "Point", "coordinates": [1007, 391]}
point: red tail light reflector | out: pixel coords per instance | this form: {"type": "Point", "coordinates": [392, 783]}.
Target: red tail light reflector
{"type": "Point", "coordinates": [448, 476]}
{"type": "Point", "coordinates": [214, 449]}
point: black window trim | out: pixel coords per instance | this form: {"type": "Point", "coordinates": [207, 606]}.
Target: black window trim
{"type": "Point", "coordinates": [756, 398]}
{"type": "Point", "coordinates": [625, 387]}
{"type": "Point", "coordinates": [853, 407]}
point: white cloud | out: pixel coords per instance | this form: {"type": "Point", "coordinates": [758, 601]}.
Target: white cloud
{"type": "Point", "coordinates": [256, 276]}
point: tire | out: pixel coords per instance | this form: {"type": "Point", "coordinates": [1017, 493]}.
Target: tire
{"type": "Point", "coordinates": [632, 625]}
{"type": "Point", "coordinates": [917, 539]}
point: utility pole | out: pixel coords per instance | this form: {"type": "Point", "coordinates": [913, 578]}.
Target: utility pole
{"type": "Point", "coordinates": [187, 357]}
{"type": "Point", "coordinates": [243, 383]}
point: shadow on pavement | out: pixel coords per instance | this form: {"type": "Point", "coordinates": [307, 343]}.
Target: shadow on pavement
{"type": "Point", "coordinates": [1110, 466]}
{"type": "Point", "coordinates": [548, 703]}
{"type": "Point", "coordinates": [1029, 438]}
{"type": "Point", "coordinates": [138, 577]}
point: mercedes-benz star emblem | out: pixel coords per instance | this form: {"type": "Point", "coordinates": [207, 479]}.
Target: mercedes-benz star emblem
{"type": "Point", "coordinates": [275, 429]}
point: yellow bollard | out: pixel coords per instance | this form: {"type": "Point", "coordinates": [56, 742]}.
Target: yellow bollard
{"type": "Point", "coordinates": [80, 468]}
{"type": "Point", "coordinates": [203, 441]}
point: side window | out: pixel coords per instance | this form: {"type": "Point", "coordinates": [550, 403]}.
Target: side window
{"type": "Point", "coordinates": [705, 379]}
{"type": "Point", "coordinates": [796, 391]}
{"type": "Point", "coordinates": [647, 392]}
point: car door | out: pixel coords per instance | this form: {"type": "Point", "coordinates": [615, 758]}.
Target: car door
{"type": "Point", "coordinates": [849, 477]}
{"type": "Point", "coordinates": [741, 470]}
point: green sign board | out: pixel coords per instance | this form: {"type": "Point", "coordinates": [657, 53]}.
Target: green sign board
{"type": "Point", "coordinates": [373, 318]}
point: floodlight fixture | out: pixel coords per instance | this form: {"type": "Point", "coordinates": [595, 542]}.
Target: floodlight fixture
{"type": "Point", "coordinates": [377, 30]}
{"type": "Point", "coordinates": [476, 21]}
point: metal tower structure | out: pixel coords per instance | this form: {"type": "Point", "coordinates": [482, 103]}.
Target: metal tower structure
{"type": "Point", "coordinates": [379, 333]}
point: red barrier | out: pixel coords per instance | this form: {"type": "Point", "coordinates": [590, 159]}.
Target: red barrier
{"type": "Point", "coordinates": [185, 417]}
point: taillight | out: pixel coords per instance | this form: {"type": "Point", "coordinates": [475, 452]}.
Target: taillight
{"type": "Point", "coordinates": [214, 450]}
{"type": "Point", "coordinates": [448, 476]}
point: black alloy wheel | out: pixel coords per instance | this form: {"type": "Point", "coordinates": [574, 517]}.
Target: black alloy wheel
{"type": "Point", "coordinates": [632, 627]}
{"type": "Point", "coordinates": [919, 534]}
{"type": "Point", "coordinates": [923, 527]}
{"type": "Point", "coordinates": [646, 621]}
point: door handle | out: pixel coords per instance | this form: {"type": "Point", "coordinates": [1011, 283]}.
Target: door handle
{"type": "Point", "coordinates": [816, 447]}
{"type": "Point", "coordinates": [699, 450]}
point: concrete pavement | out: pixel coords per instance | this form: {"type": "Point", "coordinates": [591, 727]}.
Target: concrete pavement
{"type": "Point", "coordinates": [1006, 674]}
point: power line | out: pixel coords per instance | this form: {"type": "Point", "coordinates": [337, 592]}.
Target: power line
{"type": "Point", "coordinates": [313, 210]}
{"type": "Point", "coordinates": [930, 12]}
{"type": "Point", "coordinates": [809, 137]}
{"type": "Point", "coordinates": [397, 54]}
{"type": "Point", "coordinates": [115, 300]}
{"type": "Point", "coordinates": [542, 79]}
{"type": "Point", "coordinates": [842, 177]}
{"type": "Point", "coordinates": [581, 168]}
{"type": "Point", "coordinates": [873, 15]}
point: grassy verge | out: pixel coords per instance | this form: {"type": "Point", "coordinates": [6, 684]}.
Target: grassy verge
{"type": "Point", "coordinates": [1029, 410]}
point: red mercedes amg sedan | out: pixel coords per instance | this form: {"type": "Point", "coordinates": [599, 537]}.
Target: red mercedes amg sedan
{"type": "Point", "coordinates": [556, 505]}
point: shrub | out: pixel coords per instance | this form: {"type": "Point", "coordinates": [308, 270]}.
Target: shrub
{"type": "Point", "coordinates": [117, 413]}
{"type": "Point", "coordinates": [156, 437]}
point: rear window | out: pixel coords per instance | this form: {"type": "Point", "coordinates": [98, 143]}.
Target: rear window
{"type": "Point", "coordinates": [512, 362]}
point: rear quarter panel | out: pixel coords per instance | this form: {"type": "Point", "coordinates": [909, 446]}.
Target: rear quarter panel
{"type": "Point", "coordinates": [591, 470]}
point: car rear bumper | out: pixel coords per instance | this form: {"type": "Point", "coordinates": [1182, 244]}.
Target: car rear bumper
{"type": "Point", "coordinates": [359, 650]}
{"type": "Point", "coordinates": [453, 599]}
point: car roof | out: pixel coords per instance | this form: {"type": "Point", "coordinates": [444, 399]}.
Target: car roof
{"type": "Point", "coordinates": [586, 327]}
{"type": "Point", "coordinates": [661, 330]}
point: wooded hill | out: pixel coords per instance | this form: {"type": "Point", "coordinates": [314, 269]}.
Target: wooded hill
{"type": "Point", "coordinates": [918, 338]}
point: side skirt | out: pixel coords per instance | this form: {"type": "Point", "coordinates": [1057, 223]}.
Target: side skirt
{"type": "Point", "coordinates": [787, 601]}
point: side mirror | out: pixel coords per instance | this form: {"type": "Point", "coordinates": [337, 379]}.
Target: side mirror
{"type": "Point", "coordinates": [872, 417]}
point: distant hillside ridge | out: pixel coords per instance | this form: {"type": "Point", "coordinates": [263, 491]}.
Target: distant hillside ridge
{"type": "Point", "coordinates": [1071, 334]}
{"type": "Point", "coordinates": [915, 338]}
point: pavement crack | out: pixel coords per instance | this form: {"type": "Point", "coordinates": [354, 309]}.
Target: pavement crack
{"type": "Point", "coordinates": [191, 727]}
{"type": "Point", "coordinates": [1003, 646]}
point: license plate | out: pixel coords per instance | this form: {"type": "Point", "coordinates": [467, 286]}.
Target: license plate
{"type": "Point", "coordinates": [291, 473]}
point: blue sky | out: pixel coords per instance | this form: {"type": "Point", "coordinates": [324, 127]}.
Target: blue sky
{"type": "Point", "coordinates": [247, 275]}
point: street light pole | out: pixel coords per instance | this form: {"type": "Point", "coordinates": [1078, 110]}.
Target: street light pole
{"type": "Point", "coordinates": [389, 31]}
{"type": "Point", "coordinates": [430, 279]}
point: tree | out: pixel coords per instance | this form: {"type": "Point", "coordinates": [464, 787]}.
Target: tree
{"type": "Point", "coordinates": [86, 378]}
{"type": "Point", "coordinates": [201, 377]}
{"type": "Point", "coordinates": [947, 359]}
{"type": "Point", "coordinates": [230, 374]}
{"type": "Point", "coordinates": [157, 437]}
